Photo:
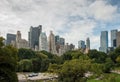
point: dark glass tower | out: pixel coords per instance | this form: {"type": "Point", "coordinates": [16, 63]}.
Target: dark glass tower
{"type": "Point", "coordinates": [113, 38]}
{"type": "Point", "coordinates": [33, 36]}
{"type": "Point", "coordinates": [10, 37]}
{"type": "Point", "coordinates": [104, 41]}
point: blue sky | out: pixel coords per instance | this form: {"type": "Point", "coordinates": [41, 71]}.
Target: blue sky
{"type": "Point", "coordinates": [72, 19]}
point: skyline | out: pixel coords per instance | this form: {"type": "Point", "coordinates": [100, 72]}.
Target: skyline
{"type": "Point", "coordinates": [73, 21]}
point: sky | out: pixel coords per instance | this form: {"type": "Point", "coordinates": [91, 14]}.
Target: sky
{"type": "Point", "coordinates": [73, 20]}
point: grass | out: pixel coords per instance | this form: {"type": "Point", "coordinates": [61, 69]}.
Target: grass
{"type": "Point", "coordinates": [109, 78]}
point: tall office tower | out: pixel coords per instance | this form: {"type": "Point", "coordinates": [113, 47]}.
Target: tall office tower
{"type": "Point", "coordinates": [118, 39]}
{"type": "Point", "coordinates": [57, 39]}
{"type": "Point", "coordinates": [34, 34]}
{"type": "Point", "coordinates": [18, 36]}
{"type": "Point", "coordinates": [67, 47]}
{"type": "Point", "coordinates": [81, 44]}
{"type": "Point", "coordinates": [104, 41]}
{"type": "Point", "coordinates": [113, 38]}
{"type": "Point", "coordinates": [10, 38]}
{"type": "Point", "coordinates": [43, 44]}
{"type": "Point", "coordinates": [20, 43]}
{"type": "Point", "coordinates": [52, 48]}
{"type": "Point", "coordinates": [57, 43]}
{"type": "Point", "coordinates": [62, 41]}
{"type": "Point", "coordinates": [88, 43]}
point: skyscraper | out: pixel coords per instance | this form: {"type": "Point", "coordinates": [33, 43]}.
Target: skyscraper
{"type": "Point", "coordinates": [104, 41]}
{"type": "Point", "coordinates": [43, 44]}
{"type": "Point", "coordinates": [34, 34]}
{"type": "Point", "coordinates": [10, 38]}
{"type": "Point", "coordinates": [52, 47]}
{"type": "Point", "coordinates": [81, 44]}
{"type": "Point", "coordinates": [57, 43]}
{"type": "Point", "coordinates": [62, 41]}
{"type": "Point", "coordinates": [57, 39]}
{"type": "Point", "coordinates": [20, 43]}
{"type": "Point", "coordinates": [88, 43]}
{"type": "Point", "coordinates": [118, 39]}
{"type": "Point", "coordinates": [113, 38]}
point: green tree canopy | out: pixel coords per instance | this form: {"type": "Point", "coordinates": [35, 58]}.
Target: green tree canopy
{"type": "Point", "coordinates": [26, 54]}
{"type": "Point", "coordinates": [8, 62]}
{"type": "Point", "coordinates": [74, 70]}
{"type": "Point", "coordinates": [98, 57]}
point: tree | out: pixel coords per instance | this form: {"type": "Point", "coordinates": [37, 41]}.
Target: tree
{"type": "Point", "coordinates": [74, 70]}
{"type": "Point", "coordinates": [98, 57]}
{"type": "Point", "coordinates": [54, 68]}
{"type": "Point", "coordinates": [8, 62]}
{"type": "Point", "coordinates": [25, 54]}
{"type": "Point", "coordinates": [113, 55]}
{"type": "Point", "coordinates": [25, 65]}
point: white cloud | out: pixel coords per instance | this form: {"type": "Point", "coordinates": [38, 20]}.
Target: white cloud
{"type": "Point", "coordinates": [55, 15]}
{"type": "Point", "coordinates": [103, 11]}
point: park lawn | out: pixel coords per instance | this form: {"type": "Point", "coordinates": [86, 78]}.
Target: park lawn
{"type": "Point", "coordinates": [93, 80]}
{"type": "Point", "coordinates": [117, 78]}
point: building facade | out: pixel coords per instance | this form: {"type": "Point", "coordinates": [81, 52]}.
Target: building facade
{"type": "Point", "coordinates": [88, 43]}
{"type": "Point", "coordinates": [20, 43]}
{"type": "Point", "coordinates": [104, 41]}
{"type": "Point", "coordinates": [52, 47]}
{"type": "Point", "coordinates": [43, 43]}
{"type": "Point", "coordinates": [114, 38]}
{"type": "Point", "coordinates": [62, 41]}
{"type": "Point", "coordinates": [118, 39]}
{"type": "Point", "coordinates": [81, 44]}
{"type": "Point", "coordinates": [33, 36]}
{"type": "Point", "coordinates": [10, 38]}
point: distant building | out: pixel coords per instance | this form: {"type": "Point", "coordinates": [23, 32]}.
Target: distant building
{"type": "Point", "coordinates": [10, 38]}
{"type": "Point", "coordinates": [33, 37]}
{"type": "Point", "coordinates": [61, 50]}
{"type": "Point", "coordinates": [57, 43]}
{"type": "Point", "coordinates": [57, 39]}
{"type": "Point", "coordinates": [20, 43]}
{"type": "Point", "coordinates": [62, 41]}
{"type": "Point", "coordinates": [88, 43]}
{"type": "Point", "coordinates": [104, 41]}
{"type": "Point", "coordinates": [43, 44]}
{"type": "Point", "coordinates": [72, 47]}
{"type": "Point", "coordinates": [118, 39]}
{"type": "Point", "coordinates": [113, 38]}
{"type": "Point", "coordinates": [52, 47]}
{"type": "Point", "coordinates": [67, 47]}
{"type": "Point", "coordinates": [60, 45]}
{"type": "Point", "coordinates": [81, 44]}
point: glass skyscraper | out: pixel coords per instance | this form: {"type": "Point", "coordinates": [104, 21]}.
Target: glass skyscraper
{"type": "Point", "coordinates": [104, 41]}
{"type": "Point", "coordinates": [34, 34]}
{"type": "Point", "coordinates": [10, 38]}
{"type": "Point", "coordinates": [43, 43]}
{"type": "Point", "coordinates": [113, 38]}
{"type": "Point", "coordinates": [81, 44]}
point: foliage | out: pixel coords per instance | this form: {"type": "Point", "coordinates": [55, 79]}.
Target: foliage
{"type": "Point", "coordinates": [25, 65]}
{"type": "Point", "coordinates": [26, 53]}
{"type": "Point", "coordinates": [74, 70]}
{"type": "Point", "coordinates": [98, 57]}
{"type": "Point", "coordinates": [8, 62]}
{"type": "Point", "coordinates": [116, 53]}
{"type": "Point", "coordinates": [54, 68]}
